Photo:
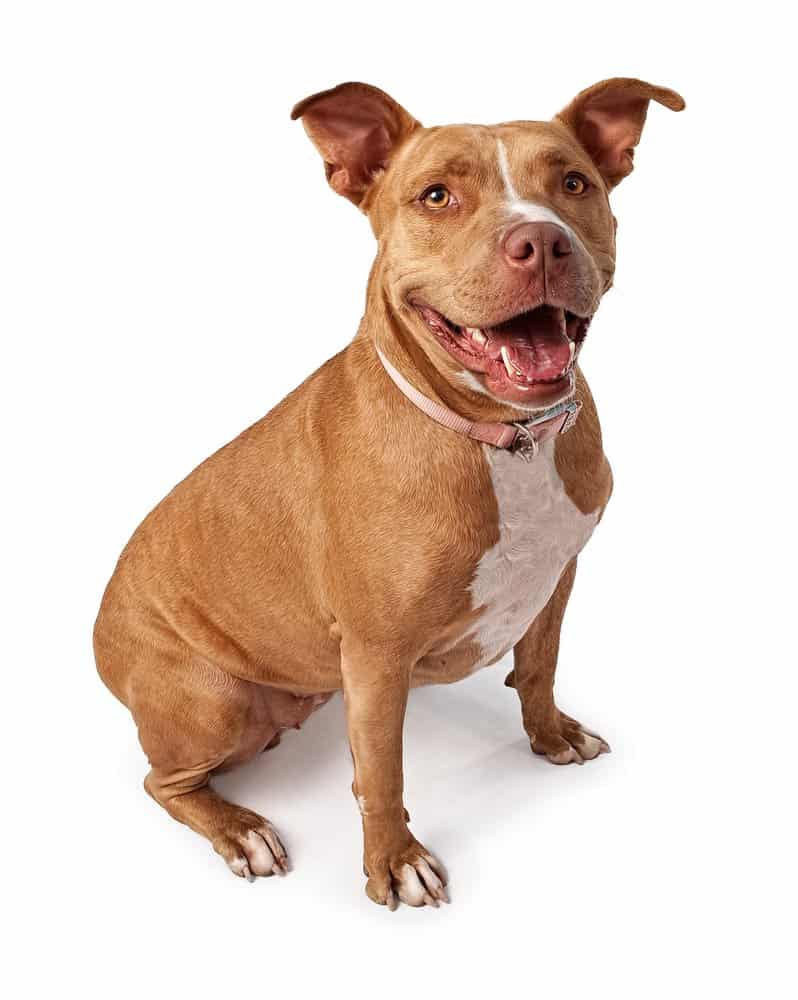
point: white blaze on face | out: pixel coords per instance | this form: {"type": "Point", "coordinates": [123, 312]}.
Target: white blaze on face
{"type": "Point", "coordinates": [527, 211]}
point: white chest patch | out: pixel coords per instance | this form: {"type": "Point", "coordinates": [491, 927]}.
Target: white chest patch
{"type": "Point", "coordinates": [541, 530]}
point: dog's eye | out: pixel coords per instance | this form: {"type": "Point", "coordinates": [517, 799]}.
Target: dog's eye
{"type": "Point", "coordinates": [574, 183]}
{"type": "Point", "coordinates": [436, 197]}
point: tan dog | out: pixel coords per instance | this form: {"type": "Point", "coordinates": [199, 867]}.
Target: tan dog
{"type": "Point", "coordinates": [363, 535]}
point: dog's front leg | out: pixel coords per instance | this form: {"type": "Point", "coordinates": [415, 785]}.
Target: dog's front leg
{"type": "Point", "coordinates": [376, 683]}
{"type": "Point", "coordinates": [552, 733]}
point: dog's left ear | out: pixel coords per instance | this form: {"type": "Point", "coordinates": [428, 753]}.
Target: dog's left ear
{"type": "Point", "coordinates": [608, 120]}
{"type": "Point", "coordinates": [356, 128]}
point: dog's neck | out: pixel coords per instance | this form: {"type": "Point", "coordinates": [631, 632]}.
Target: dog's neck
{"type": "Point", "coordinates": [426, 367]}
{"type": "Point", "coordinates": [522, 437]}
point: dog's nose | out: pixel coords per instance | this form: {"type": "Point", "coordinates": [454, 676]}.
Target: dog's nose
{"type": "Point", "coordinates": [535, 245]}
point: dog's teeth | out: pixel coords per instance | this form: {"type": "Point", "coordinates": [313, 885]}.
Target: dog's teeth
{"type": "Point", "coordinates": [572, 348]}
{"type": "Point", "coordinates": [477, 335]}
{"type": "Point", "coordinates": [510, 367]}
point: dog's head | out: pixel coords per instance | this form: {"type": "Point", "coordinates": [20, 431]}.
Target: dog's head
{"type": "Point", "coordinates": [496, 243]}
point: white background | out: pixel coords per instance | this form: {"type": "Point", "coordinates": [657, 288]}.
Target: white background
{"type": "Point", "coordinates": [172, 264]}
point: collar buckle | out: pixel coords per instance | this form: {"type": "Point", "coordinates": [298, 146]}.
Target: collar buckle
{"type": "Point", "coordinates": [572, 412]}
{"type": "Point", "coordinates": [527, 445]}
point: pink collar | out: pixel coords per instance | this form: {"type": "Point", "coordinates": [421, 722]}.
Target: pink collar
{"type": "Point", "coordinates": [521, 438]}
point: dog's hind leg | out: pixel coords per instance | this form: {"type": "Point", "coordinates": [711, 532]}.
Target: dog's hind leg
{"type": "Point", "coordinates": [194, 719]}
{"type": "Point", "coordinates": [246, 841]}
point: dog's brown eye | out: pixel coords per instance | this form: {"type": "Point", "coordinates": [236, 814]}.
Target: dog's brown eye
{"type": "Point", "coordinates": [436, 197]}
{"type": "Point", "coordinates": [575, 184]}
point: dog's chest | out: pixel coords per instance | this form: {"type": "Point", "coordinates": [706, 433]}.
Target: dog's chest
{"type": "Point", "coordinates": [540, 531]}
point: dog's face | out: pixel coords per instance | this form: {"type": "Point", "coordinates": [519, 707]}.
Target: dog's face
{"type": "Point", "coordinates": [496, 243]}
{"type": "Point", "coordinates": [501, 241]}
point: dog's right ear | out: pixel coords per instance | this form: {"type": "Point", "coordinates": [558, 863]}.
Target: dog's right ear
{"type": "Point", "coordinates": [356, 128]}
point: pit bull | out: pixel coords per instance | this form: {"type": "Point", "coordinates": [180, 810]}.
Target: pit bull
{"type": "Point", "coordinates": [415, 509]}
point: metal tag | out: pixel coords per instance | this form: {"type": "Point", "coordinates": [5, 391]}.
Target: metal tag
{"type": "Point", "coordinates": [526, 444]}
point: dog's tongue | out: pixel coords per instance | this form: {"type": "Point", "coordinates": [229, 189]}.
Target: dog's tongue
{"type": "Point", "coordinates": [535, 343]}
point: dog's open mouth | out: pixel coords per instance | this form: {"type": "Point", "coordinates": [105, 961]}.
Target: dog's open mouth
{"type": "Point", "coordinates": [529, 358]}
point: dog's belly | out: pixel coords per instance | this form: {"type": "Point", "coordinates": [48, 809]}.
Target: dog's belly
{"type": "Point", "coordinates": [541, 530]}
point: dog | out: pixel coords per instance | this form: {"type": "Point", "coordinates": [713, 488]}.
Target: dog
{"type": "Point", "coordinates": [415, 509]}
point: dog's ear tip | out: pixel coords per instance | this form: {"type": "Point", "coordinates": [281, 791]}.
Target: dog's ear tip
{"type": "Point", "coordinates": [668, 98]}
{"type": "Point", "coordinates": [301, 107]}
{"type": "Point", "coordinates": [672, 100]}
{"type": "Point", "coordinates": [621, 85]}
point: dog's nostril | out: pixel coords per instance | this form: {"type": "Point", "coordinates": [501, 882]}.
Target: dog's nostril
{"type": "Point", "coordinates": [523, 251]}
{"type": "Point", "coordinates": [561, 246]}
{"type": "Point", "coordinates": [520, 247]}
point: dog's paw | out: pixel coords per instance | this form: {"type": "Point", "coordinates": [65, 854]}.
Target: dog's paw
{"type": "Point", "coordinates": [412, 875]}
{"type": "Point", "coordinates": [568, 743]}
{"type": "Point", "coordinates": [250, 846]}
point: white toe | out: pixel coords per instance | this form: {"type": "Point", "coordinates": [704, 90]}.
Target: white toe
{"type": "Point", "coordinates": [567, 756]}
{"type": "Point", "coordinates": [411, 891]}
{"type": "Point", "coordinates": [274, 844]}
{"type": "Point", "coordinates": [591, 746]}
{"type": "Point", "coordinates": [240, 867]}
{"type": "Point", "coordinates": [261, 859]}
{"type": "Point", "coordinates": [428, 876]}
